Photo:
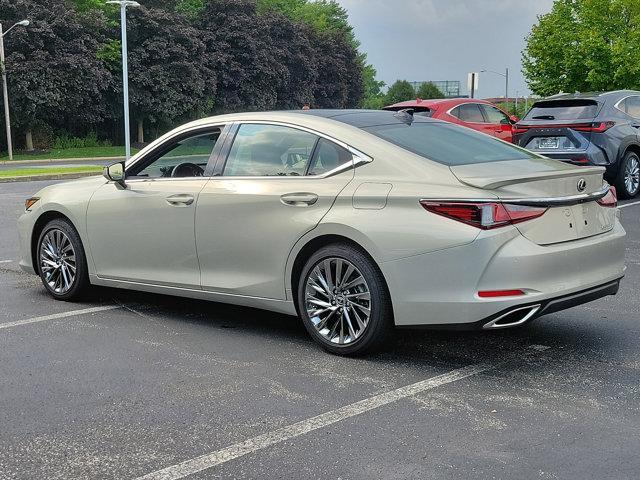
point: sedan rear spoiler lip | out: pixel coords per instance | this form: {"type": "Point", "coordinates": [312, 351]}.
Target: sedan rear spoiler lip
{"type": "Point", "coordinates": [493, 182]}
{"type": "Point", "coordinates": [531, 202]}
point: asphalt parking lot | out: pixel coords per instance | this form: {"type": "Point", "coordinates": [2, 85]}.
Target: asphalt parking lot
{"type": "Point", "coordinates": [133, 384]}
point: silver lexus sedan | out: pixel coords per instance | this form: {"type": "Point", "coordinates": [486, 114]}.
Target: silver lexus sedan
{"type": "Point", "coordinates": [356, 221]}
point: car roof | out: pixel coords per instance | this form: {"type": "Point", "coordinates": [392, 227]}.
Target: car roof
{"type": "Point", "coordinates": [362, 118]}
{"type": "Point", "coordinates": [447, 102]}
{"type": "Point", "coordinates": [596, 96]}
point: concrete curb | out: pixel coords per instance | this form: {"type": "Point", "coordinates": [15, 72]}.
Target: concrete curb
{"type": "Point", "coordinates": [56, 176]}
{"type": "Point", "coordinates": [60, 160]}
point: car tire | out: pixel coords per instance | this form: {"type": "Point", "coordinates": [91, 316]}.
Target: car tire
{"type": "Point", "coordinates": [628, 178]}
{"type": "Point", "coordinates": [351, 320]}
{"type": "Point", "coordinates": [61, 261]}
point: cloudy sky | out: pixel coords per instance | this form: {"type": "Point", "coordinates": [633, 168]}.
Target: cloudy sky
{"type": "Point", "coordinates": [445, 39]}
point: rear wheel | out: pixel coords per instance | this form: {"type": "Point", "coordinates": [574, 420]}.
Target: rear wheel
{"type": "Point", "coordinates": [61, 261]}
{"type": "Point", "coordinates": [628, 180]}
{"type": "Point", "coordinates": [344, 301]}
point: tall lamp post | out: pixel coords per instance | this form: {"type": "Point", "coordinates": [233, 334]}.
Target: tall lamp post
{"type": "Point", "coordinates": [5, 94]}
{"type": "Point", "coordinates": [125, 69]}
{"type": "Point", "coordinates": [506, 81]}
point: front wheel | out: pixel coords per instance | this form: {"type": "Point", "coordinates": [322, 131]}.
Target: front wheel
{"type": "Point", "coordinates": [628, 180]}
{"type": "Point", "coordinates": [343, 301]}
{"type": "Point", "coordinates": [61, 261]}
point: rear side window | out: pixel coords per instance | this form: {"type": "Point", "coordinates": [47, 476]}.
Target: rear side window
{"type": "Point", "coordinates": [630, 106]}
{"type": "Point", "coordinates": [448, 144]}
{"type": "Point", "coordinates": [468, 112]}
{"type": "Point", "coordinates": [327, 157]}
{"type": "Point", "coordinates": [563, 110]}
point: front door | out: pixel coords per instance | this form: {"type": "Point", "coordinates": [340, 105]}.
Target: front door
{"type": "Point", "coordinates": [498, 123]}
{"type": "Point", "coordinates": [276, 185]}
{"type": "Point", "coordinates": [145, 232]}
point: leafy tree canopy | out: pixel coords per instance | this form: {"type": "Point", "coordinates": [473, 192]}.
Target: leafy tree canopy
{"type": "Point", "coordinates": [584, 45]}
{"type": "Point", "coordinates": [428, 90]}
{"type": "Point", "coordinates": [400, 91]}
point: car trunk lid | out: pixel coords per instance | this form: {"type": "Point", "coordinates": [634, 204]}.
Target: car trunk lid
{"type": "Point", "coordinates": [567, 191]}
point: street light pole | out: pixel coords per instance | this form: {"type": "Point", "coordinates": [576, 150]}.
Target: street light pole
{"type": "Point", "coordinates": [506, 81]}
{"type": "Point", "coordinates": [5, 94]}
{"type": "Point", "coordinates": [125, 70]}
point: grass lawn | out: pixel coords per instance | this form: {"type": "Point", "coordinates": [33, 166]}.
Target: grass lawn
{"type": "Point", "coordinates": [27, 172]}
{"type": "Point", "coordinates": [85, 152]}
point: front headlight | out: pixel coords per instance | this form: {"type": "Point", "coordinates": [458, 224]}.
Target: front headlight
{"type": "Point", "coordinates": [29, 202]}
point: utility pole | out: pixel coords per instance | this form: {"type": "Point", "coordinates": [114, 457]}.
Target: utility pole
{"type": "Point", "coordinates": [5, 93]}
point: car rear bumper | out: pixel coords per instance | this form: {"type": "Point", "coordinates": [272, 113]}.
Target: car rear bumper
{"type": "Point", "coordinates": [441, 288]}
{"type": "Point", "coordinates": [591, 156]}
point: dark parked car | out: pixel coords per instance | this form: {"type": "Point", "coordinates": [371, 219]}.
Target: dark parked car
{"type": "Point", "coordinates": [588, 129]}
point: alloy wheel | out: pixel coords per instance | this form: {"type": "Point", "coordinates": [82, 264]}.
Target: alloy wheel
{"type": "Point", "coordinates": [338, 300]}
{"type": "Point", "coordinates": [632, 175]}
{"type": "Point", "coordinates": [57, 261]}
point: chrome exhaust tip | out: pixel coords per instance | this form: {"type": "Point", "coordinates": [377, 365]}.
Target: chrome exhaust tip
{"type": "Point", "coordinates": [513, 318]}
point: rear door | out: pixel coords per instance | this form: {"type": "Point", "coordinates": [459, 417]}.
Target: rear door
{"type": "Point", "coordinates": [276, 184]}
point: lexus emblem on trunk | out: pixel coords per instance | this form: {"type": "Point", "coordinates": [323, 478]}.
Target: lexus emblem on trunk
{"type": "Point", "coordinates": [582, 185]}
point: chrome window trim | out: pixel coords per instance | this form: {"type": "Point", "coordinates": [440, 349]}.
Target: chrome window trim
{"type": "Point", "coordinates": [448, 112]}
{"type": "Point", "coordinates": [132, 161]}
{"type": "Point", "coordinates": [532, 202]}
{"type": "Point", "coordinates": [358, 157]}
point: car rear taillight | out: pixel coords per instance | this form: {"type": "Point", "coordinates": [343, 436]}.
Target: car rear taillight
{"type": "Point", "coordinates": [596, 127]}
{"type": "Point", "coordinates": [610, 200]}
{"type": "Point", "coordinates": [486, 216]}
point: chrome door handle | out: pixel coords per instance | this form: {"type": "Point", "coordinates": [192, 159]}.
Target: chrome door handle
{"type": "Point", "coordinates": [180, 200]}
{"type": "Point", "coordinates": [299, 199]}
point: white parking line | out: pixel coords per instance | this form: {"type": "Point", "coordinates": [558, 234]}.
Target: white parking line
{"type": "Point", "coordinates": [628, 204]}
{"type": "Point", "coordinates": [254, 444]}
{"type": "Point", "coordinates": [55, 316]}
{"type": "Point", "coordinates": [6, 261]}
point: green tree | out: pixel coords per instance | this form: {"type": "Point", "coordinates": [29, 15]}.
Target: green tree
{"type": "Point", "coordinates": [167, 78]}
{"type": "Point", "coordinates": [400, 91]}
{"type": "Point", "coordinates": [428, 90]}
{"type": "Point", "coordinates": [54, 75]}
{"type": "Point", "coordinates": [584, 45]}
{"type": "Point", "coordinates": [373, 96]}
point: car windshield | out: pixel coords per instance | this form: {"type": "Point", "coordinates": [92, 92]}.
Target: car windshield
{"type": "Point", "coordinates": [448, 144]}
{"type": "Point", "coordinates": [563, 110]}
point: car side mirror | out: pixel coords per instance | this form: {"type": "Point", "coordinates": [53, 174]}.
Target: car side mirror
{"type": "Point", "coordinates": [115, 173]}
{"type": "Point", "coordinates": [514, 119]}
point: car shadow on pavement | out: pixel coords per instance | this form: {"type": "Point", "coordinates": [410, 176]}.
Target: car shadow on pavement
{"type": "Point", "coordinates": [563, 332]}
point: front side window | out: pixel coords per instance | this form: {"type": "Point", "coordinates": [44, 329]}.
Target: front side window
{"type": "Point", "coordinates": [495, 115]}
{"type": "Point", "coordinates": [269, 150]}
{"type": "Point", "coordinates": [448, 144]}
{"type": "Point", "coordinates": [468, 112]}
{"type": "Point", "coordinates": [187, 157]}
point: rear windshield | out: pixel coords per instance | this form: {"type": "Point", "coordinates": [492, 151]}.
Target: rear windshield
{"type": "Point", "coordinates": [563, 110]}
{"type": "Point", "coordinates": [448, 144]}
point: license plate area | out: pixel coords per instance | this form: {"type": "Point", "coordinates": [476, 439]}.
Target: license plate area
{"type": "Point", "coordinates": [592, 219]}
{"type": "Point", "coordinates": [549, 143]}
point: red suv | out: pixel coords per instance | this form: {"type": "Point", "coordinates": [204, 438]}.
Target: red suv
{"type": "Point", "coordinates": [477, 114]}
